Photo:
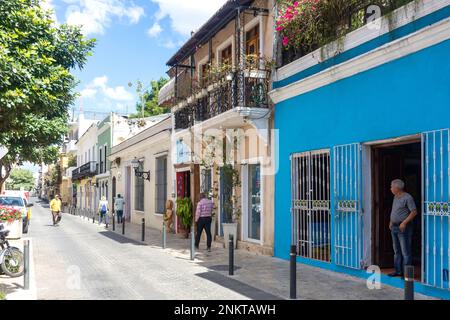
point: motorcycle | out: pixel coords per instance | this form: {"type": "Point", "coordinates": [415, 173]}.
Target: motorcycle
{"type": "Point", "coordinates": [11, 258]}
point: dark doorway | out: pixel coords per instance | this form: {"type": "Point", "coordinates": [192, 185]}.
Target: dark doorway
{"type": "Point", "coordinates": [390, 162]}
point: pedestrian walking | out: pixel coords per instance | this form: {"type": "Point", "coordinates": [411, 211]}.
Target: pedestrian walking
{"type": "Point", "coordinates": [103, 210]}
{"type": "Point", "coordinates": [118, 206]}
{"type": "Point", "coordinates": [55, 207]}
{"type": "Point", "coordinates": [203, 218]}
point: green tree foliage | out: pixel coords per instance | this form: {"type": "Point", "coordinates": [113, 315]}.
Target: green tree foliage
{"type": "Point", "coordinates": [21, 178]}
{"type": "Point", "coordinates": [36, 84]}
{"type": "Point", "coordinates": [150, 99]}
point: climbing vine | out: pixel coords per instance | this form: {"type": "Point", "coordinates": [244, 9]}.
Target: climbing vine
{"type": "Point", "coordinates": [306, 25]}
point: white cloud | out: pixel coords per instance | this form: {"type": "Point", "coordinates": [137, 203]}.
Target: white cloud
{"type": "Point", "coordinates": [88, 93]}
{"type": "Point", "coordinates": [96, 15]}
{"type": "Point", "coordinates": [118, 93]}
{"type": "Point", "coordinates": [155, 30]}
{"type": "Point", "coordinates": [187, 15]}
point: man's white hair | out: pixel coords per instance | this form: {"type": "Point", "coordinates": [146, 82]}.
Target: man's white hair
{"type": "Point", "coordinates": [399, 184]}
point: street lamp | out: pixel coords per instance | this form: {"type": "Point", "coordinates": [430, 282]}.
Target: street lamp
{"type": "Point", "coordinates": [140, 174]}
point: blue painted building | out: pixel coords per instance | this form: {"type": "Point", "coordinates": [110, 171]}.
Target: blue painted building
{"type": "Point", "coordinates": [351, 118]}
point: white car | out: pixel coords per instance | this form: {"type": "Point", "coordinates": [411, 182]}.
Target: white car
{"type": "Point", "coordinates": [19, 203]}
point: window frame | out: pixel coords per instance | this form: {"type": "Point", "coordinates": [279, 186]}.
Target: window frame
{"type": "Point", "coordinates": [160, 202]}
{"type": "Point", "coordinates": [139, 191]}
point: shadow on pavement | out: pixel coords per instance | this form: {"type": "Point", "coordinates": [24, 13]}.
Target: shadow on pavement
{"type": "Point", "coordinates": [237, 286]}
{"type": "Point", "coordinates": [120, 239]}
{"type": "Point", "coordinates": [8, 288]}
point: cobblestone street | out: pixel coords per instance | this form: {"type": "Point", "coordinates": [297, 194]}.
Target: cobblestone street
{"type": "Point", "coordinates": [82, 260]}
{"type": "Point", "coordinates": [110, 266]}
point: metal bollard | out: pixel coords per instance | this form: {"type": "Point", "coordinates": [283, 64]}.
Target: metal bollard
{"type": "Point", "coordinates": [93, 217]}
{"type": "Point", "coordinates": [293, 264]}
{"type": "Point", "coordinates": [409, 282]}
{"type": "Point", "coordinates": [231, 255]}
{"type": "Point", "coordinates": [143, 230]}
{"type": "Point", "coordinates": [114, 222]}
{"type": "Point", "coordinates": [26, 271]}
{"type": "Point", "coordinates": [192, 245]}
{"type": "Point", "coordinates": [123, 226]}
{"type": "Point", "coordinates": [164, 236]}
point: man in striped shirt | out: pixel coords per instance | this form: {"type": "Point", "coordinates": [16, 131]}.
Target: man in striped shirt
{"type": "Point", "coordinates": [203, 218]}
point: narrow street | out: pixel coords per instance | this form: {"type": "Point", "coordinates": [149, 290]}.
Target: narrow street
{"type": "Point", "coordinates": [109, 266]}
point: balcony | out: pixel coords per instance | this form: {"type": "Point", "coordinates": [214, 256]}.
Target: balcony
{"type": "Point", "coordinates": [305, 33]}
{"type": "Point", "coordinates": [87, 170]}
{"type": "Point", "coordinates": [221, 92]}
{"type": "Point", "coordinates": [71, 147]}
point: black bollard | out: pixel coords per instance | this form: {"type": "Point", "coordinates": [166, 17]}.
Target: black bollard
{"type": "Point", "coordinates": [143, 230]}
{"type": "Point", "coordinates": [293, 264]}
{"type": "Point", "coordinates": [123, 226]}
{"type": "Point", "coordinates": [93, 217]}
{"type": "Point", "coordinates": [114, 222]}
{"type": "Point", "coordinates": [231, 255]}
{"type": "Point", "coordinates": [409, 283]}
{"type": "Point", "coordinates": [26, 271]}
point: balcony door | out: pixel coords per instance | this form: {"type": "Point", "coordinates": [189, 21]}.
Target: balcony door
{"type": "Point", "coordinates": [252, 41]}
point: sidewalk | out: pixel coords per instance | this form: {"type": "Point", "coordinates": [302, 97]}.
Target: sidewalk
{"type": "Point", "coordinates": [262, 273]}
{"type": "Point", "coordinates": [13, 287]}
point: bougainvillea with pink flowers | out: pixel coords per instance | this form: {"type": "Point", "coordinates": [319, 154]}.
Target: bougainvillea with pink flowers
{"type": "Point", "coordinates": [8, 214]}
{"type": "Point", "coordinates": [309, 24]}
{"type": "Point", "coordinates": [297, 20]}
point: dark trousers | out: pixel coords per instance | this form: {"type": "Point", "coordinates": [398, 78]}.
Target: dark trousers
{"type": "Point", "coordinates": [402, 242]}
{"type": "Point", "coordinates": [204, 223]}
{"type": "Point", "coordinates": [119, 216]}
{"type": "Point", "coordinates": [56, 217]}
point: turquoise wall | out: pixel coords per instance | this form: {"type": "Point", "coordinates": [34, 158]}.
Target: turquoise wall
{"type": "Point", "coordinates": [408, 96]}
{"type": "Point", "coordinates": [105, 138]}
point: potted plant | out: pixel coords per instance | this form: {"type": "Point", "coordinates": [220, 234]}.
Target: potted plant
{"type": "Point", "coordinates": [11, 219]}
{"type": "Point", "coordinates": [184, 212]}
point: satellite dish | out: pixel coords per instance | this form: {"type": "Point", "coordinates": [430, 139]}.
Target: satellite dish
{"type": "Point", "coordinates": [3, 151]}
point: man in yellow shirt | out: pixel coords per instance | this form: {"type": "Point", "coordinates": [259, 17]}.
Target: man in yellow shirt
{"type": "Point", "coordinates": [55, 207]}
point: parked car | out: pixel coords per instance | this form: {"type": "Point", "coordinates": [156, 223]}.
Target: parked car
{"type": "Point", "coordinates": [18, 202]}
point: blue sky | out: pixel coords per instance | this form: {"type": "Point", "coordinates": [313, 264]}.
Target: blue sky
{"type": "Point", "coordinates": [135, 38]}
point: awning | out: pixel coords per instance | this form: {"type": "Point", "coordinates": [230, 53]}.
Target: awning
{"type": "Point", "coordinates": [167, 92]}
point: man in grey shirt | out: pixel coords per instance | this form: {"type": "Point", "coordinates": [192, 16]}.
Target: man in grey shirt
{"type": "Point", "coordinates": [404, 211]}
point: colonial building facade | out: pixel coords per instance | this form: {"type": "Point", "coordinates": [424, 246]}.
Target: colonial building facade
{"type": "Point", "coordinates": [147, 187]}
{"type": "Point", "coordinates": [352, 120]}
{"type": "Point", "coordinates": [222, 120]}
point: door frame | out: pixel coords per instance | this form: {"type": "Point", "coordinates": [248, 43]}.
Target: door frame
{"type": "Point", "coordinates": [245, 200]}
{"type": "Point", "coordinates": [374, 185]}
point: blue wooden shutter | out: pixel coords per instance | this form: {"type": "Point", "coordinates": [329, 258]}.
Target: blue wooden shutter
{"type": "Point", "coordinates": [347, 227]}
{"type": "Point", "coordinates": [436, 208]}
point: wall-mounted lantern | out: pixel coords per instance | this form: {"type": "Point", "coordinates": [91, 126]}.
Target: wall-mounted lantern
{"type": "Point", "coordinates": [140, 174]}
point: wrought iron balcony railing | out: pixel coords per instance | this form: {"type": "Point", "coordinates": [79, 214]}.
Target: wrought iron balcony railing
{"type": "Point", "coordinates": [247, 89]}
{"type": "Point", "coordinates": [87, 170]}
